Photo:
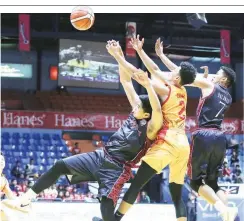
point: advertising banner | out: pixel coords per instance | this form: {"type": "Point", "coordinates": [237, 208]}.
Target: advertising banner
{"type": "Point", "coordinates": [82, 121]}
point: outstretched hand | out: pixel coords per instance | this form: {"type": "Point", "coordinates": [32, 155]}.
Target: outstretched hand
{"type": "Point", "coordinates": [136, 43]}
{"type": "Point", "coordinates": [159, 47]}
{"type": "Point", "coordinates": [206, 71]}
{"type": "Point", "coordinates": [113, 47]}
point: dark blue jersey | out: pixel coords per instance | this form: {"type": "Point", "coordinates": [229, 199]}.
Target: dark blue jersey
{"type": "Point", "coordinates": [211, 109]}
{"type": "Point", "coordinates": [129, 140]}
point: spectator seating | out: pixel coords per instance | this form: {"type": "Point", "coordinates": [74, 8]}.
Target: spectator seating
{"type": "Point", "coordinates": [63, 101]}
{"type": "Point", "coordinates": [44, 148]}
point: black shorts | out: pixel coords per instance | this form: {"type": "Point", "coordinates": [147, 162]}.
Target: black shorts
{"type": "Point", "coordinates": [98, 166]}
{"type": "Point", "coordinates": [207, 154]}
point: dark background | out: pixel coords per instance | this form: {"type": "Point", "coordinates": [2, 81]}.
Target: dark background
{"type": "Point", "coordinates": [201, 46]}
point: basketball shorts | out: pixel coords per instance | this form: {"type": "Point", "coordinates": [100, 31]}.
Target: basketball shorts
{"type": "Point", "coordinates": [98, 166]}
{"type": "Point", "coordinates": [208, 148]}
{"type": "Point", "coordinates": [170, 148]}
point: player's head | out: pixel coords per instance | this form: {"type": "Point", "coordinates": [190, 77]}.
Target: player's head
{"type": "Point", "coordinates": [2, 162]}
{"type": "Point", "coordinates": [143, 111]}
{"type": "Point", "coordinates": [185, 74]}
{"type": "Point", "coordinates": [225, 76]}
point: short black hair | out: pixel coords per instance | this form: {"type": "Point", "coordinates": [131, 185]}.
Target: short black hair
{"type": "Point", "coordinates": [146, 106]}
{"type": "Point", "coordinates": [230, 74]}
{"type": "Point", "coordinates": [187, 73]}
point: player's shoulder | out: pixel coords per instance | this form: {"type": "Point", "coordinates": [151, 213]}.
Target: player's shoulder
{"type": "Point", "coordinates": [177, 88]}
{"type": "Point", "coordinates": [179, 92]}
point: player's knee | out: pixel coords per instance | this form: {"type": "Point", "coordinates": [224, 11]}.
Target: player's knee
{"type": "Point", "coordinates": [144, 174]}
{"type": "Point", "coordinates": [213, 184]}
{"type": "Point", "coordinates": [58, 164]}
{"type": "Point", "coordinates": [195, 184]}
{"type": "Point", "coordinates": [59, 167]}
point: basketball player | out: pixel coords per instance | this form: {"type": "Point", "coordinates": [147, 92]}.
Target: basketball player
{"type": "Point", "coordinates": [209, 143]}
{"type": "Point", "coordinates": [171, 146]}
{"type": "Point", "coordinates": [111, 165]}
{"type": "Point", "coordinates": [5, 189]}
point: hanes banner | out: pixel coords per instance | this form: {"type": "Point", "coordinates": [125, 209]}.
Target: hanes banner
{"type": "Point", "coordinates": [225, 46]}
{"type": "Point", "coordinates": [130, 32]}
{"type": "Point", "coordinates": [24, 32]}
{"type": "Point", "coordinates": [82, 121]}
{"type": "Point", "coordinates": [59, 120]}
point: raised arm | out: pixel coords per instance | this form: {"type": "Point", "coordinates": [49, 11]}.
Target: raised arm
{"type": "Point", "coordinates": [206, 71]}
{"type": "Point", "coordinates": [203, 81]}
{"type": "Point", "coordinates": [114, 49]}
{"type": "Point", "coordinates": [159, 51]}
{"type": "Point", "coordinates": [148, 62]}
{"type": "Point", "coordinates": [156, 121]}
{"type": "Point", "coordinates": [129, 89]}
{"type": "Point", "coordinates": [125, 78]}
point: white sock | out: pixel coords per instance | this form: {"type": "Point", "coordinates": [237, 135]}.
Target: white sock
{"type": "Point", "coordinates": [220, 207]}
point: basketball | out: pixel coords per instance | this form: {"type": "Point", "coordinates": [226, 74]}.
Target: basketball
{"type": "Point", "coordinates": [82, 18]}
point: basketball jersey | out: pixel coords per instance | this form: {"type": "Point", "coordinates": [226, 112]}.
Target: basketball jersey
{"type": "Point", "coordinates": [211, 109]}
{"type": "Point", "coordinates": [174, 108]}
{"type": "Point", "coordinates": [128, 142]}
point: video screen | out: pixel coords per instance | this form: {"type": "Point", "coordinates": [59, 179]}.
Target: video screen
{"type": "Point", "coordinates": [10, 70]}
{"type": "Point", "coordinates": [87, 64]}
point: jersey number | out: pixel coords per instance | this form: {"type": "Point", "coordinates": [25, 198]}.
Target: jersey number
{"type": "Point", "coordinates": [223, 106]}
{"type": "Point", "coordinates": [182, 110]}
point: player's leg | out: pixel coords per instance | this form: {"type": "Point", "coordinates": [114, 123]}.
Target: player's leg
{"type": "Point", "coordinates": [222, 196]}
{"type": "Point", "coordinates": [178, 168]}
{"type": "Point", "coordinates": [143, 175]}
{"type": "Point", "coordinates": [215, 170]}
{"type": "Point", "coordinates": [176, 194]}
{"type": "Point", "coordinates": [153, 162]}
{"type": "Point", "coordinates": [77, 168]}
{"type": "Point", "coordinates": [111, 177]}
{"type": "Point", "coordinates": [45, 181]}
{"type": "Point", "coordinates": [201, 149]}
{"type": "Point", "coordinates": [207, 157]}
{"type": "Point", "coordinates": [107, 209]}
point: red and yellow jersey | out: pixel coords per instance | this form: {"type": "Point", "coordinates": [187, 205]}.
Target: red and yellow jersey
{"type": "Point", "coordinates": [174, 108]}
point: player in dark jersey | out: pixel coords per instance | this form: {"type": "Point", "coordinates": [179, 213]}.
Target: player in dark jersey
{"type": "Point", "coordinates": [208, 141]}
{"type": "Point", "coordinates": [111, 165]}
{"type": "Point", "coordinates": [171, 146]}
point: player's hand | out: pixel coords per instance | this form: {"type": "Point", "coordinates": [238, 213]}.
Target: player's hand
{"type": "Point", "coordinates": [142, 78]}
{"type": "Point", "coordinates": [113, 47]}
{"type": "Point", "coordinates": [159, 47]}
{"type": "Point", "coordinates": [206, 71]}
{"type": "Point", "coordinates": [136, 43]}
{"type": "Point", "coordinates": [119, 49]}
